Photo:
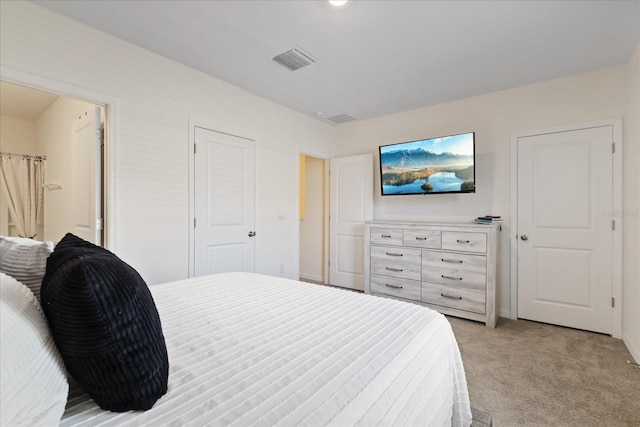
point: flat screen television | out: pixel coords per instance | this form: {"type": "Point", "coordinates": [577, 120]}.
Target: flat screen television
{"type": "Point", "coordinates": [429, 166]}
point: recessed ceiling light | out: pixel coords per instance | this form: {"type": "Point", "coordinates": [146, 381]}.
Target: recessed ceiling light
{"type": "Point", "coordinates": [337, 2]}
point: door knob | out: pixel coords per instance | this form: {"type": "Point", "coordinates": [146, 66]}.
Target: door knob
{"type": "Point", "coordinates": [252, 233]}
{"type": "Point", "coordinates": [524, 237]}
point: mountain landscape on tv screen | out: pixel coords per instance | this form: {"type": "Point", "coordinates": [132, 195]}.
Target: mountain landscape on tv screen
{"type": "Point", "coordinates": [418, 170]}
{"type": "Point", "coordinates": [422, 158]}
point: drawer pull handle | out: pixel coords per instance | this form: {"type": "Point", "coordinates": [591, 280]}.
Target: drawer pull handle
{"type": "Point", "coordinates": [393, 254]}
{"type": "Point", "coordinates": [385, 236]}
{"type": "Point", "coordinates": [450, 277]}
{"type": "Point", "coordinates": [462, 241]}
{"type": "Point", "coordinates": [453, 261]}
{"type": "Point", "coordinates": [421, 238]}
{"type": "Point", "coordinates": [392, 286]}
{"type": "Point", "coordinates": [449, 296]}
{"type": "Point", "coordinates": [393, 269]}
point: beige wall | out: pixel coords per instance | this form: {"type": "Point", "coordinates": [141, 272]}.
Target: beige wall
{"type": "Point", "coordinates": [17, 136]}
{"type": "Point", "coordinates": [631, 211]}
{"type": "Point", "coordinates": [49, 135]}
{"type": "Point", "coordinates": [54, 139]}
{"type": "Point", "coordinates": [312, 226]}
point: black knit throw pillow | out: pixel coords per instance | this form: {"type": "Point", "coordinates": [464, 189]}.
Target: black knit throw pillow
{"type": "Point", "coordinates": [106, 326]}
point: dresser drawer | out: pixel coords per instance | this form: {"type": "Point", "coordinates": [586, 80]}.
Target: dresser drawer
{"type": "Point", "coordinates": [461, 299]}
{"type": "Point", "coordinates": [386, 236]}
{"type": "Point", "coordinates": [454, 261]}
{"type": "Point", "coordinates": [422, 239]}
{"type": "Point", "coordinates": [464, 241]}
{"type": "Point", "coordinates": [457, 279]}
{"type": "Point", "coordinates": [396, 261]}
{"type": "Point", "coordinates": [402, 288]}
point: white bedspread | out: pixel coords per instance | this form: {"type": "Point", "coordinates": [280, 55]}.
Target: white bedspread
{"type": "Point", "coordinates": [248, 349]}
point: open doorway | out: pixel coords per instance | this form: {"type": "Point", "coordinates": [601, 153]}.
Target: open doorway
{"type": "Point", "coordinates": [313, 213]}
{"type": "Point", "coordinates": [66, 134]}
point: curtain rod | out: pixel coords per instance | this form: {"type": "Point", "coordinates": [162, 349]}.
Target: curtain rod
{"type": "Point", "coordinates": [26, 156]}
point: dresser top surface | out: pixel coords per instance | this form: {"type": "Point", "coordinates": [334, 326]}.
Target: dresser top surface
{"type": "Point", "coordinates": [470, 223]}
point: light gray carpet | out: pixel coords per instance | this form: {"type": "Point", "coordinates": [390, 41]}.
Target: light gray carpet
{"type": "Point", "coordinates": [531, 374]}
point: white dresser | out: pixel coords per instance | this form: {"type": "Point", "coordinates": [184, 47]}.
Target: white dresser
{"type": "Point", "coordinates": [450, 267]}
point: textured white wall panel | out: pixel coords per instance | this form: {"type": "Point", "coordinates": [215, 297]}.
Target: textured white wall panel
{"type": "Point", "coordinates": [156, 99]}
{"type": "Point", "coordinates": [631, 214]}
{"type": "Point", "coordinates": [278, 220]}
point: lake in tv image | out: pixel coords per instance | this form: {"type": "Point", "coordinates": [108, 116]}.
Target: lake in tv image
{"type": "Point", "coordinates": [437, 165]}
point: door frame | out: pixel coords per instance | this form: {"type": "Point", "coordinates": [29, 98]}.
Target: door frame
{"type": "Point", "coordinates": [110, 104]}
{"type": "Point", "coordinates": [192, 124]}
{"type": "Point", "coordinates": [325, 215]}
{"type": "Point", "coordinates": [617, 194]}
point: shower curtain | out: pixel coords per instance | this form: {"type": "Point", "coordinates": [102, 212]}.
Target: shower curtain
{"type": "Point", "coordinates": [22, 179]}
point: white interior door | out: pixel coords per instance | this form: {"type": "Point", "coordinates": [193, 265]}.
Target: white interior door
{"type": "Point", "coordinates": [351, 204]}
{"type": "Point", "coordinates": [224, 203]}
{"type": "Point", "coordinates": [565, 238]}
{"type": "Point", "coordinates": [86, 161]}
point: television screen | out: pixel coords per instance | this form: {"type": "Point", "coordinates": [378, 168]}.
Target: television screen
{"type": "Point", "coordinates": [429, 166]}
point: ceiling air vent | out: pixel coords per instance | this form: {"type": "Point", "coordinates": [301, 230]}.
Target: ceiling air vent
{"type": "Point", "coordinates": [294, 59]}
{"type": "Point", "coordinates": [340, 118]}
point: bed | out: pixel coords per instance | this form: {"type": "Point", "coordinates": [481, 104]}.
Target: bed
{"type": "Point", "coordinates": [249, 349]}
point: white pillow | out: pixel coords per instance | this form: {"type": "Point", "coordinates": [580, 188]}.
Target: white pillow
{"type": "Point", "coordinates": [25, 260]}
{"type": "Point", "coordinates": [33, 383]}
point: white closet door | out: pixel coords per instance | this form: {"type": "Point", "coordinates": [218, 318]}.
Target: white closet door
{"type": "Point", "coordinates": [565, 238]}
{"type": "Point", "coordinates": [224, 200]}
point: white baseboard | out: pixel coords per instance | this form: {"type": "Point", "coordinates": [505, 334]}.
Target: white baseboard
{"type": "Point", "coordinates": [311, 277]}
{"type": "Point", "coordinates": [633, 347]}
{"type": "Point", "coordinates": [506, 314]}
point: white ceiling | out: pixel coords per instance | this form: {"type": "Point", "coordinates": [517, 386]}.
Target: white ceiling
{"type": "Point", "coordinates": [374, 57]}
